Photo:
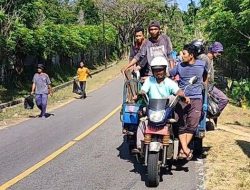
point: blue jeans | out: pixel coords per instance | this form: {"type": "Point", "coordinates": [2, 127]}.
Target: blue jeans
{"type": "Point", "coordinates": [41, 102]}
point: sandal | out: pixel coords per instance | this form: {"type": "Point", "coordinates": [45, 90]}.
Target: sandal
{"type": "Point", "coordinates": [182, 155]}
{"type": "Point", "coordinates": [189, 155]}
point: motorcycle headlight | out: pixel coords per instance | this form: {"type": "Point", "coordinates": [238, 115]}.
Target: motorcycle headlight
{"type": "Point", "coordinates": [156, 116]}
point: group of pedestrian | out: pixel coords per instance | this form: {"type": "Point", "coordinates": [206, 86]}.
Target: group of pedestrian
{"type": "Point", "coordinates": [192, 61]}
{"type": "Point", "coordinates": [41, 86]}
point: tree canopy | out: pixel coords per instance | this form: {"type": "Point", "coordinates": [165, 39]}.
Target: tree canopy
{"type": "Point", "coordinates": [68, 28]}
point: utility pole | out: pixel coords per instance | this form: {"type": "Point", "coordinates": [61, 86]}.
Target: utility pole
{"type": "Point", "coordinates": [194, 13]}
{"type": "Point", "coordinates": [103, 39]}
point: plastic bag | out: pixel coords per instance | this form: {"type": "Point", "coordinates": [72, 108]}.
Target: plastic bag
{"type": "Point", "coordinates": [76, 88]}
{"type": "Point", "coordinates": [29, 102]}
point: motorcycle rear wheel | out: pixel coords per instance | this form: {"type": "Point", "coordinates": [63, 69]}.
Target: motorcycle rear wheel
{"type": "Point", "coordinates": [153, 169]}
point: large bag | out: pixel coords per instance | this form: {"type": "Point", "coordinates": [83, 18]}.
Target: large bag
{"type": "Point", "coordinates": [29, 102]}
{"type": "Point", "coordinates": [130, 114]}
{"type": "Point", "coordinates": [213, 108]}
{"type": "Point", "coordinates": [76, 88]}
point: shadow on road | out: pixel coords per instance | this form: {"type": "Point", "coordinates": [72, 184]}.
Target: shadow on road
{"type": "Point", "coordinates": [178, 165]}
{"type": "Point", "coordinates": [80, 98]}
{"type": "Point", "coordinates": [124, 154]}
{"type": "Point", "coordinates": [245, 146]}
{"type": "Point", "coordinates": [47, 115]}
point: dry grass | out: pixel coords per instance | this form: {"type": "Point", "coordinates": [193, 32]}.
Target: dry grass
{"type": "Point", "coordinates": [233, 115]}
{"type": "Point", "coordinates": [228, 157]}
{"type": "Point", "coordinates": [16, 114]}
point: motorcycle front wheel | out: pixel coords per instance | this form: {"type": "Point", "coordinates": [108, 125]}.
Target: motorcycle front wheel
{"type": "Point", "coordinates": [153, 169]}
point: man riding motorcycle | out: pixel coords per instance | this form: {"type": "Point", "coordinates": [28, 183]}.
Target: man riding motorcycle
{"type": "Point", "coordinates": [158, 86]}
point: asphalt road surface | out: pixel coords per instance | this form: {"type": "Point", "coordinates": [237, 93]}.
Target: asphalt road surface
{"type": "Point", "coordinates": [98, 161]}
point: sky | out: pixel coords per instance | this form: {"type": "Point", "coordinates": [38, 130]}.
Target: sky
{"type": "Point", "coordinates": [183, 4]}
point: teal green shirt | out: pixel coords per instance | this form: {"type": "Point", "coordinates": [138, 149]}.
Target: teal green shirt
{"type": "Point", "coordinates": [159, 91]}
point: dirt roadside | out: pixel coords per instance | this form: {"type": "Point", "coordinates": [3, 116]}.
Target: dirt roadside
{"type": "Point", "coordinates": [227, 163]}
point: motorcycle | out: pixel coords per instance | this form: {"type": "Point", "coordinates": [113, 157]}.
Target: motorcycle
{"type": "Point", "coordinates": [160, 146]}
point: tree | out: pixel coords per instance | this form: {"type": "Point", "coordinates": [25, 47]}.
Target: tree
{"type": "Point", "coordinates": [44, 29]}
{"type": "Point", "coordinates": [172, 18]}
{"type": "Point", "coordinates": [229, 24]}
{"type": "Point", "coordinates": [125, 15]}
{"type": "Point", "coordinates": [88, 13]}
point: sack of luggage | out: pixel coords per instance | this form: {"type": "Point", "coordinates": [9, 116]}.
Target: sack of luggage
{"type": "Point", "coordinates": [213, 108]}
{"type": "Point", "coordinates": [130, 113]}
{"type": "Point", "coordinates": [29, 102]}
{"type": "Point", "coordinates": [76, 88]}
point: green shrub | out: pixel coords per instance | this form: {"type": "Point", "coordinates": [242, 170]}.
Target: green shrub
{"type": "Point", "coordinates": [240, 92]}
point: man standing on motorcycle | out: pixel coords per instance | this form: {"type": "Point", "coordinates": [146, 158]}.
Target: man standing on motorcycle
{"type": "Point", "coordinates": [139, 40]}
{"type": "Point", "coordinates": [157, 45]}
{"type": "Point", "coordinates": [214, 51]}
{"type": "Point", "coordinates": [158, 86]}
{"type": "Point", "coordinates": [189, 114]}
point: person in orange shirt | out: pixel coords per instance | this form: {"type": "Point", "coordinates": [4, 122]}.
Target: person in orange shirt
{"type": "Point", "coordinates": [82, 74]}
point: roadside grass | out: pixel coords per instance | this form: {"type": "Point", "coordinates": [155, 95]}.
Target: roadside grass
{"type": "Point", "coordinates": [237, 116]}
{"type": "Point", "coordinates": [13, 115]}
{"type": "Point", "coordinates": [18, 86]}
{"type": "Point", "coordinates": [228, 151]}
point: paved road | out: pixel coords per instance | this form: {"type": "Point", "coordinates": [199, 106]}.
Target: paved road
{"type": "Point", "coordinates": [99, 161]}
